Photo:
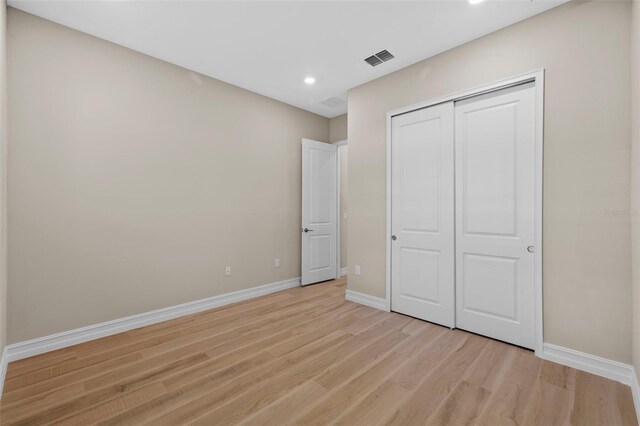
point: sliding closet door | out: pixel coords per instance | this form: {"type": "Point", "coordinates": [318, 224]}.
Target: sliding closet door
{"type": "Point", "coordinates": [422, 216]}
{"type": "Point", "coordinates": [495, 214]}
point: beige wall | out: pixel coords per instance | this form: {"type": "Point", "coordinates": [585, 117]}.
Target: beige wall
{"type": "Point", "coordinates": [584, 48]}
{"type": "Point", "coordinates": [635, 178]}
{"type": "Point", "coordinates": [3, 175]}
{"type": "Point", "coordinates": [338, 128]}
{"type": "Point", "coordinates": [133, 182]}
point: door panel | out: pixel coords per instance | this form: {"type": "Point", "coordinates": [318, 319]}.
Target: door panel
{"type": "Point", "coordinates": [419, 274]}
{"type": "Point", "coordinates": [319, 252]}
{"type": "Point", "coordinates": [320, 189]}
{"type": "Point", "coordinates": [319, 198]}
{"type": "Point", "coordinates": [419, 169]}
{"type": "Point", "coordinates": [422, 256]}
{"type": "Point", "coordinates": [495, 159]}
{"type": "Point", "coordinates": [489, 286]}
{"type": "Point", "coordinates": [490, 170]}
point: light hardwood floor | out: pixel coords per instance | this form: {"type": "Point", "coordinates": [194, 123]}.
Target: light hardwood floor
{"type": "Point", "coordinates": [304, 356]}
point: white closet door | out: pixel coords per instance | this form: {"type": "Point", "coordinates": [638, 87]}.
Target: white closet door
{"type": "Point", "coordinates": [422, 216]}
{"type": "Point", "coordinates": [495, 214]}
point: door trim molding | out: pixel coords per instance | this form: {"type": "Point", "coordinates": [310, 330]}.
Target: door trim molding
{"type": "Point", "coordinates": [536, 76]}
{"type": "Point", "coordinates": [339, 268]}
{"type": "Point", "coordinates": [64, 339]}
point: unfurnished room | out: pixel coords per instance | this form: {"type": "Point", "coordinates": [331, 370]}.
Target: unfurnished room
{"type": "Point", "coordinates": [320, 212]}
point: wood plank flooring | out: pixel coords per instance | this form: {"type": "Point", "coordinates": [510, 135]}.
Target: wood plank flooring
{"type": "Point", "coordinates": [304, 356]}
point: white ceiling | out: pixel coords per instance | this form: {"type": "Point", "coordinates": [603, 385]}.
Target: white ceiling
{"type": "Point", "coordinates": [270, 46]}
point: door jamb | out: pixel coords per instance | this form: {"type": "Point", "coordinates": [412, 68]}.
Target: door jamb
{"type": "Point", "coordinates": [339, 207]}
{"type": "Point", "coordinates": [537, 77]}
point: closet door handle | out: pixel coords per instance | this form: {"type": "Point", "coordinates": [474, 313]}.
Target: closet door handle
{"type": "Point", "coordinates": [531, 249]}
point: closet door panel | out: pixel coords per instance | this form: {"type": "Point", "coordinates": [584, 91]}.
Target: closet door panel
{"type": "Point", "coordinates": [422, 254]}
{"type": "Point", "coordinates": [494, 136]}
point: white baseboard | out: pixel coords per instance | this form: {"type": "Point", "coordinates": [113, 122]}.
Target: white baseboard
{"type": "Point", "coordinates": [365, 299]}
{"type": "Point", "coordinates": [604, 367]}
{"type": "Point", "coordinates": [44, 344]}
{"type": "Point", "coordinates": [344, 271]}
{"type": "Point", "coordinates": [635, 391]}
{"type": "Point", "coordinates": [618, 371]}
{"type": "Point", "coordinates": [610, 369]}
{"type": "Point", "coordinates": [3, 368]}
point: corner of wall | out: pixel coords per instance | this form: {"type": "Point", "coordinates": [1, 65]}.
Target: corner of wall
{"type": "Point", "coordinates": [3, 190]}
{"type": "Point", "coordinates": [635, 178]}
{"type": "Point", "coordinates": [338, 128]}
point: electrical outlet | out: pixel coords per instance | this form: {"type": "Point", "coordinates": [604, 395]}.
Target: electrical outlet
{"type": "Point", "coordinates": [277, 263]}
{"type": "Point", "coordinates": [357, 269]}
{"type": "Point", "coordinates": [227, 271]}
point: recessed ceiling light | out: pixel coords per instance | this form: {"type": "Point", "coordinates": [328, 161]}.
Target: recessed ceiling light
{"type": "Point", "coordinates": [475, 1]}
{"type": "Point", "coordinates": [309, 80]}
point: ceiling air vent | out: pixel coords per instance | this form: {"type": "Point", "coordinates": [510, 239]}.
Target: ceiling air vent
{"type": "Point", "coordinates": [378, 58]}
{"type": "Point", "coordinates": [373, 60]}
{"type": "Point", "coordinates": [332, 102]}
{"type": "Point", "coordinates": [384, 55]}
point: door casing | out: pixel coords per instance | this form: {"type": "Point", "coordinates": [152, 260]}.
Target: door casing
{"type": "Point", "coordinates": [537, 77]}
{"type": "Point", "coordinates": [340, 271]}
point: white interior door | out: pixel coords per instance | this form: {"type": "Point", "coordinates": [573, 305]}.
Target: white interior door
{"type": "Point", "coordinates": [422, 214]}
{"type": "Point", "coordinates": [319, 222]}
{"type": "Point", "coordinates": [495, 166]}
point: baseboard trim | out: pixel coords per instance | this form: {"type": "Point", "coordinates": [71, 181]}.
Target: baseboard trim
{"type": "Point", "coordinates": [610, 369]}
{"type": "Point", "coordinates": [635, 391]}
{"type": "Point", "coordinates": [344, 271]}
{"type": "Point", "coordinates": [3, 369]}
{"type": "Point", "coordinates": [614, 370]}
{"type": "Point", "coordinates": [365, 299]}
{"type": "Point", "coordinates": [604, 367]}
{"type": "Point", "coordinates": [44, 344]}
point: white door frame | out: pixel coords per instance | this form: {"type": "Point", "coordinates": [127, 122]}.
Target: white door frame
{"type": "Point", "coordinates": [536, 76]}
{"type": "Point", "coordinates": [339, 215]}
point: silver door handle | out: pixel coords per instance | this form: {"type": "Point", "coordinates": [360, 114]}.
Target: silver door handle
{"type": "Point", "coordinates": [307, 230]}
{"type": "Point", "coordinates": [531, 249]}
{"type": "Point", "coordinates": [393, 238]}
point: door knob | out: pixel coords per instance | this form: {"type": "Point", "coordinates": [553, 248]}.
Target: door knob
{"type": "Point", "coordinates": [531, 249]}
{"type": "Point", "coordinates": [307, 230]}
{"type": "Point", "coordinates": [393, 238]}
